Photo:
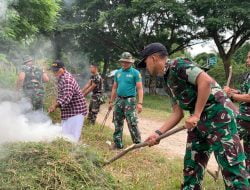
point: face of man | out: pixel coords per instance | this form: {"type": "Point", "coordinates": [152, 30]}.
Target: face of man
{"type": "Point", "coordinates": [248, 59]}
{"type": "Point", "coordinates": [29, 63]}
{"type": "Point", "coordinates": [126, 65]}
{"type": "Point", "coordinates": [156, 64]}
{"type": "Point", "coordinates": [58, 72]}
{"type": "Point", "coordinates": [93, 69]}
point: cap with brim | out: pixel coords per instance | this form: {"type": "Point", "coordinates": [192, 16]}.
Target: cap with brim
{"type": "Point", "coordinates": [127, 60]}
{"type": "Point", "coordinates": [56, 65]}
{"type": "Point", "coordinates": [149, 50]}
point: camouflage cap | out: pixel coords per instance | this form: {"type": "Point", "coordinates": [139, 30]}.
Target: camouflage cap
{"type": "Point", "coordinates": [126, 57]}
{"type": "Point", "coordinates": [27, 59]}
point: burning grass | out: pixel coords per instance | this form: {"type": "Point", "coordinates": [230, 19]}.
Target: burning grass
{"type": "Point", "coordinates": [58, 165]}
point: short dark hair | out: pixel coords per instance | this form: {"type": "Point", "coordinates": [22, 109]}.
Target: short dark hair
{"type": "Point", "coordinates": [94, 65]}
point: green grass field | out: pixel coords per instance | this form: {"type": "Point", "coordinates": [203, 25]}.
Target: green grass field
{"type": "Point", "coordinates": [157, 102]}
{"type": "Point", "coordinates": [145, 169]}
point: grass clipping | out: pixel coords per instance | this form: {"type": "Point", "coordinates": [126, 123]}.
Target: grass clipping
{"type": "Point", "coordinates": [58, 165]}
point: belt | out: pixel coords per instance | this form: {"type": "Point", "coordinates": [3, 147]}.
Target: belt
{"type": "Point", "coordinates": [125, 97]}
{"type": "Point", "coordinates": [97, 93]}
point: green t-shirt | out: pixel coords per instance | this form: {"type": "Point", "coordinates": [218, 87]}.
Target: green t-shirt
{"type": "Point", "coordinates": [126, 80]}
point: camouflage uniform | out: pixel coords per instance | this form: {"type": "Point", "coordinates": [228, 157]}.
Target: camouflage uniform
{"type": "Point", "coordinates": [243, 120]}
{"type": "Point", "coordinates": [125, 105]}
{"type": "Point", "coordinates": [216, 131]}
{"type": "Point", "coordinates": [97, 98]}
{"type": "Point", "coordinates": [33, 86]}
{"type": "Point", "coordinates": [125, 108]}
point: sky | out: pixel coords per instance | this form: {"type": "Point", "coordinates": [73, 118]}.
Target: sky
{"type": "Point", "coordinates": [208, 47]}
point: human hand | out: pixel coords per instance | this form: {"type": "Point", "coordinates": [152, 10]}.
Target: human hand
{"type": "Point", "coordinates": [192, 122]}
{"type": "Point", "coordinates": [111, 105]}
{"type": "Point", "coordinates": [139, 108]}
{"type": "Point", "coordinates": [227, 89]}
{"type": "Point", "coordinates": [52, 108]}
{"type": "Point", "coordinates": [152, 139]}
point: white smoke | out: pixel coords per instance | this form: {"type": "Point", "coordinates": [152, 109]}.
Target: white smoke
{"type": "Point", "coordinates": [3, 8]}
{"type": "Point", "coordinates": [19, 123]}
{"type": "Point", "coordinates": [69, 3]}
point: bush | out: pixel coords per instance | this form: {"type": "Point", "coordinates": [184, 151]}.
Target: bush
{"type": "Point", "coordinates": [8, 73]}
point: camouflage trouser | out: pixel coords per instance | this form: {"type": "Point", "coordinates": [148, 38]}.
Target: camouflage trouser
{"type": "Point", "coordinates": [216, 132]}
{"type": "Point", "coordinates": [244, 132]}
{"type": "Point", "coordinates": [94, 108]}
{"type": "Point", "coordinates": [36, 98]}
{"type": "Point", "coordinates": [125, 109]}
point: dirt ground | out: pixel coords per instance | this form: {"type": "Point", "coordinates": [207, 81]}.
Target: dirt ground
{"type": "Point", "coordinates": [173, 146]}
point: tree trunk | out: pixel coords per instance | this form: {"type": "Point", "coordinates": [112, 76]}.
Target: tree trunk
{"type": "Point", "coordinates": [226, 64]}
{"type": "Point", "coordinates": [104, 72]}
{"type": "Point", "coordinates": [56, 43]}
{"type": "Point", "coordinates": [152, 85]}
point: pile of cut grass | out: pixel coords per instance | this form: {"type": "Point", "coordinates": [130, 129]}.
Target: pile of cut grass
{"type": "Point", "coordinates": [59, 165]}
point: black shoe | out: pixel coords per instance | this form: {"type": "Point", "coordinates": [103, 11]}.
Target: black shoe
{"type": "Point", "coordinates": [115, 147]}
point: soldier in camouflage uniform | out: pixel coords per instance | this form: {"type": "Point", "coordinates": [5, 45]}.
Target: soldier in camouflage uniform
{"type": "Point", "coordinates": [243, 119]}
{"type": "Point", "coordinates": [127, 83]}
{"type": "Point", "coordinates": [211, 125]}
{"type": "Point", "coordinates": [31, 80]}
{"type": "Point", "coordinates": [94, 85]}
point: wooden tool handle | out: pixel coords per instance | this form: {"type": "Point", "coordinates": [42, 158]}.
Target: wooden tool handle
{"type": "Point", "coordinates": [143, 144]}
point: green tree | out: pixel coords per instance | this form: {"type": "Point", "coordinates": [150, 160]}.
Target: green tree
{"type": "Point", "coordinates": [134, 24]}
{"type": "Point", "coordinates": [240, 55]}
{"type": "Point", "coordinates": [110, 27]}
{"type": "Point", "coordinates": [27, 18]}
{"type": "Point", "coordinates": [23, 22]}
{"type": "Point", "coordinates": [202, 58]}
{"type": "Point", "coordinates": [226, 22]}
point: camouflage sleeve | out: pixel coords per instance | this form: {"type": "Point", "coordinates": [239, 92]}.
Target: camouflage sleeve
{"type": "Point", "coordinates": [138, 77]}
{"type": "Point", "coordinates": [23, 68]}
{"type": "Point", "coordinates": [248, 84]}
{"type": "Point", "coordinates": [169, 93]}
{"type": "Point", "coordinates": [187, 70]}
{"type": "Point", "coordinates": [96, 80]}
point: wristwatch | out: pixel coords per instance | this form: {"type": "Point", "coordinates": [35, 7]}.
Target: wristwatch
{"type": "Point", "coordinates": [158, 132]}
